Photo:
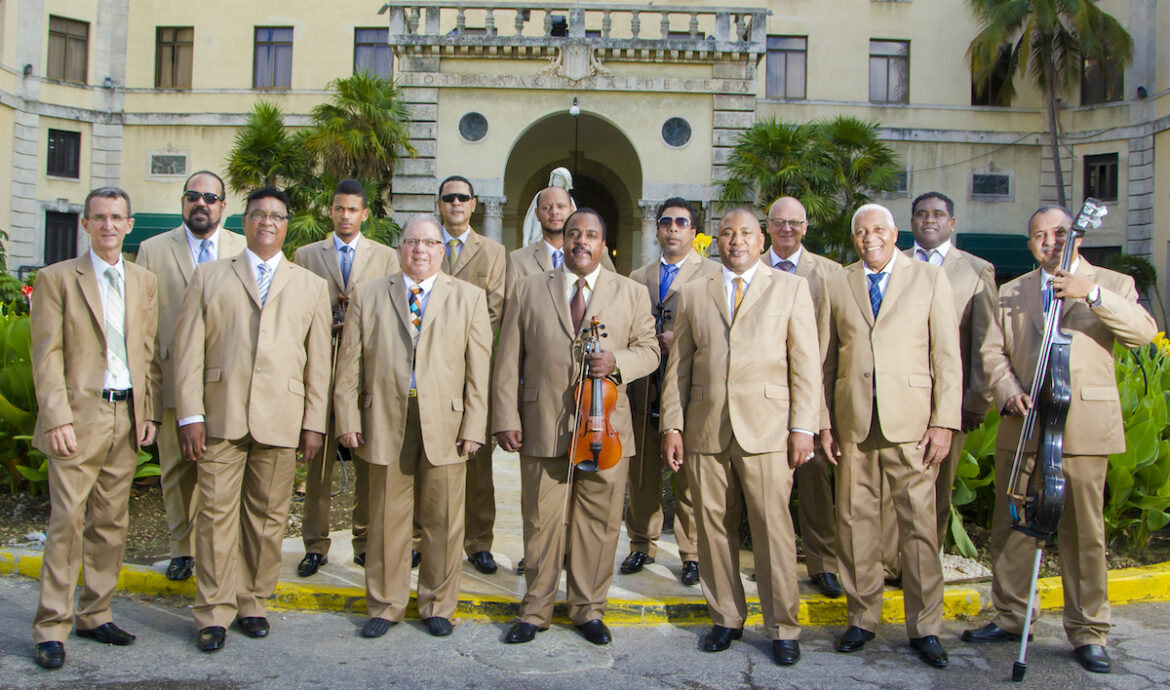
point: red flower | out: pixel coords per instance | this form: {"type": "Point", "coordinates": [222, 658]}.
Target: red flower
{"type": "Point", "coordinates": [26, 290]}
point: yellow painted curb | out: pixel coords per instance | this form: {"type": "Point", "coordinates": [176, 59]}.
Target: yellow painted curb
{"type": "Point", "coordinates": [1127, 586]}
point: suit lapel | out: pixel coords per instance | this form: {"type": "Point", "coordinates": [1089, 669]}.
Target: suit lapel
{"type": "Point", "coordinates": [470, 249]}
{"type": "Point", "coordinates": [329, 256]}
{"type": "Point", "coordinates": [1033, 300]}
{"type": "Point", "coordinates": [243, 271]}
{"type": "Point", "coordinates": [435, 301]}
{"type": "Point", "coordinates": [131, 300]}
{"type": "Point", "coordinates": [860, 285]}
{"type": "Point", "coordinates": [540, 253]}
{"type": "Point", "coordinates": [804, 269]}
{"type": "Point", "coordinates": [280, 279]}
{"type": "Point", "coordinates": [896, 284]}
{"type": "Point", "coordinates": [397, 287]}
{"type": "Point", "coordinates": [89, 288]}
{"type": "Point", "coordinates": [755, 289]}
{"type": "Point", "coordinates": [182, 253]}
{"type": "Point", "coordinates": [361, 258]}
{"type": "Point", "coordinates": [556, 290]}
{"type": "Point", "coordinates": [602, 296]}
{"type": "Point", "coordinates": [716, 292]}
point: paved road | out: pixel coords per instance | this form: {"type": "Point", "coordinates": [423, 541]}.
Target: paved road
{"type": "Point", "coordinates": [320, 649]}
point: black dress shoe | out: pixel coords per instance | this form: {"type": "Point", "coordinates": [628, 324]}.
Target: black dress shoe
{"type": "Point", "coordinates": [438, 626]}
{"type": "Point", "coordinates": [108, 633]}
{"type": "Point", "coordinates": [253, 626]}
{"type": "Point", "coordinates": [360, 559]}
{"type": "Point", "coordinates": [310, 563]}
{"type": "Point", "coordinates": [786, 652]}
{"type": "Point", "coordinates": [828, 584]}
{"type": "Point", "coordinates": [596, 632]}
{"type": "Point", "coordinates": [690, 573]}
{"type": "Point", "coordinates": [520, 567]}
{"type": "Point", "coordinates": [377, 627]}
{"type": "Point", "coordinates": [930, 650]}
{"type": "Point", "coordinates": [1092, 656]}
{"type": "Point", "coordinates": [415, 558]}
{"type": "Point", "coordinates": [720, 638]}
{"type": "Point", "coordinates": [212, 639]}
{"type": "Point", "coordinates": [635, 561]}
{"type": "Point", "coordinates": [180, 568]}
{"type": "Point", "coordinates": [990, 633]}
{"type": "Point", "coordinates": [483, 562]}
{"type": "Point", "coordinates": [50, 655]}
{"type": "Point", "coordinates": [522, 632]}
{"type": "Point", "coordinates": [853, 639]}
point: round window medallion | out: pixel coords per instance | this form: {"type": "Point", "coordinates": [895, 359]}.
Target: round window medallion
{"type": "Point", "coordinates": [473, 127]}
{"type": "Point", "coordinates": [676, 132]}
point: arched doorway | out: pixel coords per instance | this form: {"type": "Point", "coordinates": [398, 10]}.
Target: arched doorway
{"type": "Point", "coordinates": [607, 177]}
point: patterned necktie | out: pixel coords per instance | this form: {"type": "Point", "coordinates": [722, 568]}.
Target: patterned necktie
{"type": "Point", "coordinates": [736, 298]}
{"type": "Point", "coordinates": [921, 255]}
{"type": "Point", "coordinates": [558, 258]}
{"type": "Point", "coordinates": [453, 255]}
{"type": "Point", "coordinates": [416, 308]}
{"type": "Point", "coordinates": [205, 252]}
{"type": "Point", "coordinates": [669, 271]}
{"type": "Point", "coordinates": [115, 312]}
{"type": "Point", "coordinates": [875, 292]}
{"type": "Point", "coordinates": [786, 265]}
{"type": "Point", "coordinates": [263, 280]}
{"type": "Point", "coordinates": [577, 305]}
{"type": "Point", "coordinates": [1048, 296]}
{"type": "Point", "coordinates": [346, 263]}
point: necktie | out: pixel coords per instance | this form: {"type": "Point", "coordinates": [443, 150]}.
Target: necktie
{"type": "Point", "coordinates": [1047, 293]}
{"type": "Point", "coordinates": [453, 255]}
{"type": "Point", "coordinates": [416, 308]}
{"type": "Point", "coordinates": [263, 280]}
{"type": "Point", "coordinates": [786, 265]}
{"type": "Point", "coordinates": [346, 263]}
{"type": "Point", "coordinates": [577, 305]}
{"type": "Point", "coordinates": [875, 292]}
{"type": "Point", "coordinates": [558, 258]}
{"type": "Point", "coordinates": [736, 298]}
{"type": "Point", "coordinates": [921, 255]}
{"type": "Point", "coordinates": [115, 312]}
{"type": "Point", "coordinates": [205, 251]}
{"type": "Point", "coordinates": [669, 271]}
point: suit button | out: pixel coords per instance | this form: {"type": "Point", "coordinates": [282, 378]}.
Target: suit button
{"type": "Point", "coordinates": [865, 375]}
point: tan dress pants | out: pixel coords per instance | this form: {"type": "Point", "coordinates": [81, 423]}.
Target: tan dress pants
{"type": "Point", "coordinates": [1081, 538]}
{"type": "Point", "coordinates": [319, 498]}
{"type": "Point", "coordinates": [644, 511]}
{"type": "Point", "coordinates": [88, 496]}
{"type": "Point", "coordinates": [595, 518]}
{"type": "Point", "coordinates": [244, 493]}
{"type": "Point", "coordinates": [179, 478]}
{"type": "Point", "coordinates": [765, 481]}
{"type": "Point", "coordinates": [818, 518]}
{"type": "Point", "coordinates": [480, 503]}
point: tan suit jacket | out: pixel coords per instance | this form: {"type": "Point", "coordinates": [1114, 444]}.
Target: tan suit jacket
{"type": "Point", "coordinates": [451, 366]}
{"type": "Point", "coordinates": [725, 378]}
{"type": "Point", "coordinates": [534, 259]}
{"type": "Point", "coordinates": [535, 369]}
{"type": "Point", "coordinates": [371, 260]}
{"type": "Point", "coordinates": [168, 256]}
{"type": "Point", "coordinates": [483, 263]}
{"type": "Point", "coordinates": [816, 269]}
{"type": "Point", "coordinates": [68, 329]}
{"type": "Point", "coordinates": [248, 370]}
{"type": "Point", "coordinates": [907, 359]}
{"type": "Point", "coordinates": [973, 286]}
{"type": "Point", "coordinates": [1094, 425]}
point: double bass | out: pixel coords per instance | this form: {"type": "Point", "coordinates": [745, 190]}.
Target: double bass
{"type": "Point", "coordinates": [1036, 497]}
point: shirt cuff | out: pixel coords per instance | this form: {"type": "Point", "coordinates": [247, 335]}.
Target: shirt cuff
{"type": "Point", "coordinates": [191, 420]}
{"type": "Point", "coordinates": [796, 430]}
{"type": "Point", "coordinates": [1094, 296]}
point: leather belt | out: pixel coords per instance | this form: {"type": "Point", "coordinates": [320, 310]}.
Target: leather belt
{"type": "Point", "coordinates": [111, 395]}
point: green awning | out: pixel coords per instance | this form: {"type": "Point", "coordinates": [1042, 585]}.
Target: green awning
{"type": "Point", "coordinates": [1008, 253]}
{"type": "Point", "coordinates": [147, 225]}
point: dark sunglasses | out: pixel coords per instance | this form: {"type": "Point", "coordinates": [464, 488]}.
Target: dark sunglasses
{"type": "Point", "coordinates": [208, 197]}
{"type": "Point", "coordinates": [666, 221]}
{"type": "Point", "coordinates": [452, 198]}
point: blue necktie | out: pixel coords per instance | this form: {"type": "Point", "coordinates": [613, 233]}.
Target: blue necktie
{"type": "Point", "coordinates": [346, 263]}
{"type": "Point", "coordinates": [666, 279]}
{"type": "Point", "coordinates": [205, 251]}
{"type": "Point", "coordinates": [1047, 292]}
{"type": "Point", "coordinates": [921, 255]}
{"type": "Point", "coordinates": [875, 292]}
{"type": "Point", "coordinates": [558, 258]}
{"type": "Point", "coordinates": [263, 280]}
{"type": "Point", "coordinates": [786, 266]}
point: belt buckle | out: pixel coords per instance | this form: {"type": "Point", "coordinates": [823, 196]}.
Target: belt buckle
{"type": "Point", "coordinates": [413, 393]}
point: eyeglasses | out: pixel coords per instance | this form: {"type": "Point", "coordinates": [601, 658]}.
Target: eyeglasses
{"type": "Point", "coordinates": [427, 242]}
{"type": "Point", "coordinates": [781, 222]}
{"type": "Point", "coordinates": [666, 221]}
{"type": "Point", "coordinates": [208, 197]}
{"type": "Point", "coordinates": [452, 198]}
{"type": "Point", "coordinates": [261, 216]}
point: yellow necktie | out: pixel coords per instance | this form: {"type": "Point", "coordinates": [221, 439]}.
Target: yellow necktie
{"type": "Point", "coordinates": [452, 255]}
{"type": "Point", "coordinates": [737, 298]}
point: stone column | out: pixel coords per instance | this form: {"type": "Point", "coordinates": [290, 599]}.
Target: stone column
{"type": "Point", "coordinates": [493, 216]}
{"type": "Point", "coordinates": [650, 248]}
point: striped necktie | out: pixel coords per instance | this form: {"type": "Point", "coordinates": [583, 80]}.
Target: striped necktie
{"type": "Point", "coordinates": [875, 292]}
{"type": "Point", "coordinates": [115, 313]}
{"type": "Point", "coordinates": [263, 280]}
{"type": "Point", "coordinates": [669, 271]}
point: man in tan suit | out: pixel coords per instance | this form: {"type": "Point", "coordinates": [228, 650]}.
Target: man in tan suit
{"type": "Point", "coordinates": [532, 412]}
{"type": "Point", "coordinates": [172, 257]}
{"type": "Point", "coordinates": [893, 388]}
{"type": "Point", "coordinates": [741, 398]}
{"type": "Point", "coordinates": [678, 265]}
{"type": "Point", "coordinates": [787, 226]}
{"type": "Point", "coordinates": [1100, 310]}
{"type": "Point", "coordinates": [553, 207]}
{"type": "Point", "coordinates": [343, 259]}
{"type": "Point", "coordinates": [417, 353]}
{"type": "Point", "coordinates": [932, 220]}
{"type": "Point", "coordinates": [94, 333]}
{"type": "Point", "coordinates": [482, 262]}
{"type": "Point", "coordinates": [251, 391]}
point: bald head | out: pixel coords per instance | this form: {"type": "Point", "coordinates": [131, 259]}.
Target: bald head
{"type": "Point", "coordinates": [787, 224]}
{"type": "Point", "coordinates": [553, 207]}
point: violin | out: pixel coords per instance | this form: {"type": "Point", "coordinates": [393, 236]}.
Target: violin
{"type": "Point", "coordinates": [595, 444]}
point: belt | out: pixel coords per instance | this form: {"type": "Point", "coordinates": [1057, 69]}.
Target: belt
{"type": "Point", "coordinates": [413, 393]}
{"type": "Point", "coordinates": [111, 395]}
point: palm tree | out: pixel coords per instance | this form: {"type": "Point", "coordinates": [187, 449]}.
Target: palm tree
{"type": "Point", "coordinates": [1051, 39]}
{"type": "Point", "coordinates": [264, 154]}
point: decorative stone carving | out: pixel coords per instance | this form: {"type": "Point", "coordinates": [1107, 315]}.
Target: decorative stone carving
{"type": "Point", "coordinates": [575, 62]}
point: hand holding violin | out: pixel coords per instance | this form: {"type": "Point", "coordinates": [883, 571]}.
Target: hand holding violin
{"type": "Point", "coordinates": [601, 364]}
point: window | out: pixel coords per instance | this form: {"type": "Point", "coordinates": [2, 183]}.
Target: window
{"type": "Point", "coordinates": [889, 71]}
{"type": "Point", "coordinates": [173, 53]}
{"type": "Point", "coordinates": [991, 186]}
{"type": "Point", "coordinates": [1101, 82]}
{"type": "Point", "coordinates": [60, 236]}
{"type": "Point", "coordinates": [64, 155]}
{"type": "Point", "coordinates": [1101, 176]}
{"type": "Point", "coordinates": [372, 52]}
{"type": "Point", "coordinates": [273, 63]}
{"type": "Point", "coordinates": [68, 49]}
{"type": "Point", "coordinates": [996, 89]}
{"type": "Point", "coordinates": [787, 67]}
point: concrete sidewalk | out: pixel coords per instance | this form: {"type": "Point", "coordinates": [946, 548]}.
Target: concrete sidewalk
{"type": "Point", "coordinates": [653, 597]}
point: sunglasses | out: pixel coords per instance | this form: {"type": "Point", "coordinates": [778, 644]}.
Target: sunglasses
{"type": "Point", "coordinates": [208, 197]}
{"type": "Point", "coordinates": [666, 221]}
{"type": "Point", "coordinates": [452, 198]}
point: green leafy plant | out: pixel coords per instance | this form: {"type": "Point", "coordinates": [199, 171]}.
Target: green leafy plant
{"type": "Point", "coordinates": [18, 401]}
{"type": "Point", "coordinates": [974, 488]}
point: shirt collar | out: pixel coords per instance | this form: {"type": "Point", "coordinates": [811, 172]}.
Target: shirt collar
{"type": "Point", "coordinates": [100, 265]}
{"type": "Point", "coordinates": [352, 244]}
{"type": "Point", "coordinates": [197, 241]}
{"type": "Point", "coordinates": [571, 278]}
{"type": "Point", "coordinates": [885, 269]}
{"type": "Point", "coordinates": [1045, 276]}
{"type": "Point", "coordinates": [941, 249]}
{"type": "Point", "coordinates": [425, 284]}
{"type": "Point", "coordinates": [447, 237]}
{"type": "Point", "coordinates": [747, 275]}
{"type": "Point", "coordinates": [255, 261]}
{"type": "Point", "coordinates": [774, 258]}
{"type": "Point", "coordinates": [662, 260]}
{"type": "Point", "coordinates": [552, 249]}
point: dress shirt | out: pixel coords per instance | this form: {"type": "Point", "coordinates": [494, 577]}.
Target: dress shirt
{"type": "Point", "coordinates": [774, 258]}
{"type": "Point", "coordinates": [553, 250]}
{"type": "Point", "coordinates": [931, 255]}
{"type": "Point", "coordinates": [122, 381]}
{"type": "Point", "coordinates": [571, 284]}
{"type": "Point", "coordinates": [884, 282]}
{"type": "Point", "coordinates": [447, 237]}
{"type": "Point", "coordinates": [195, 244]}
{"type": "Point", "coordinates": [423, 298]}
{"type": "Point", "coordinates": [729, 285]}
{"type": "Point", "coordinates": [352, 244]}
